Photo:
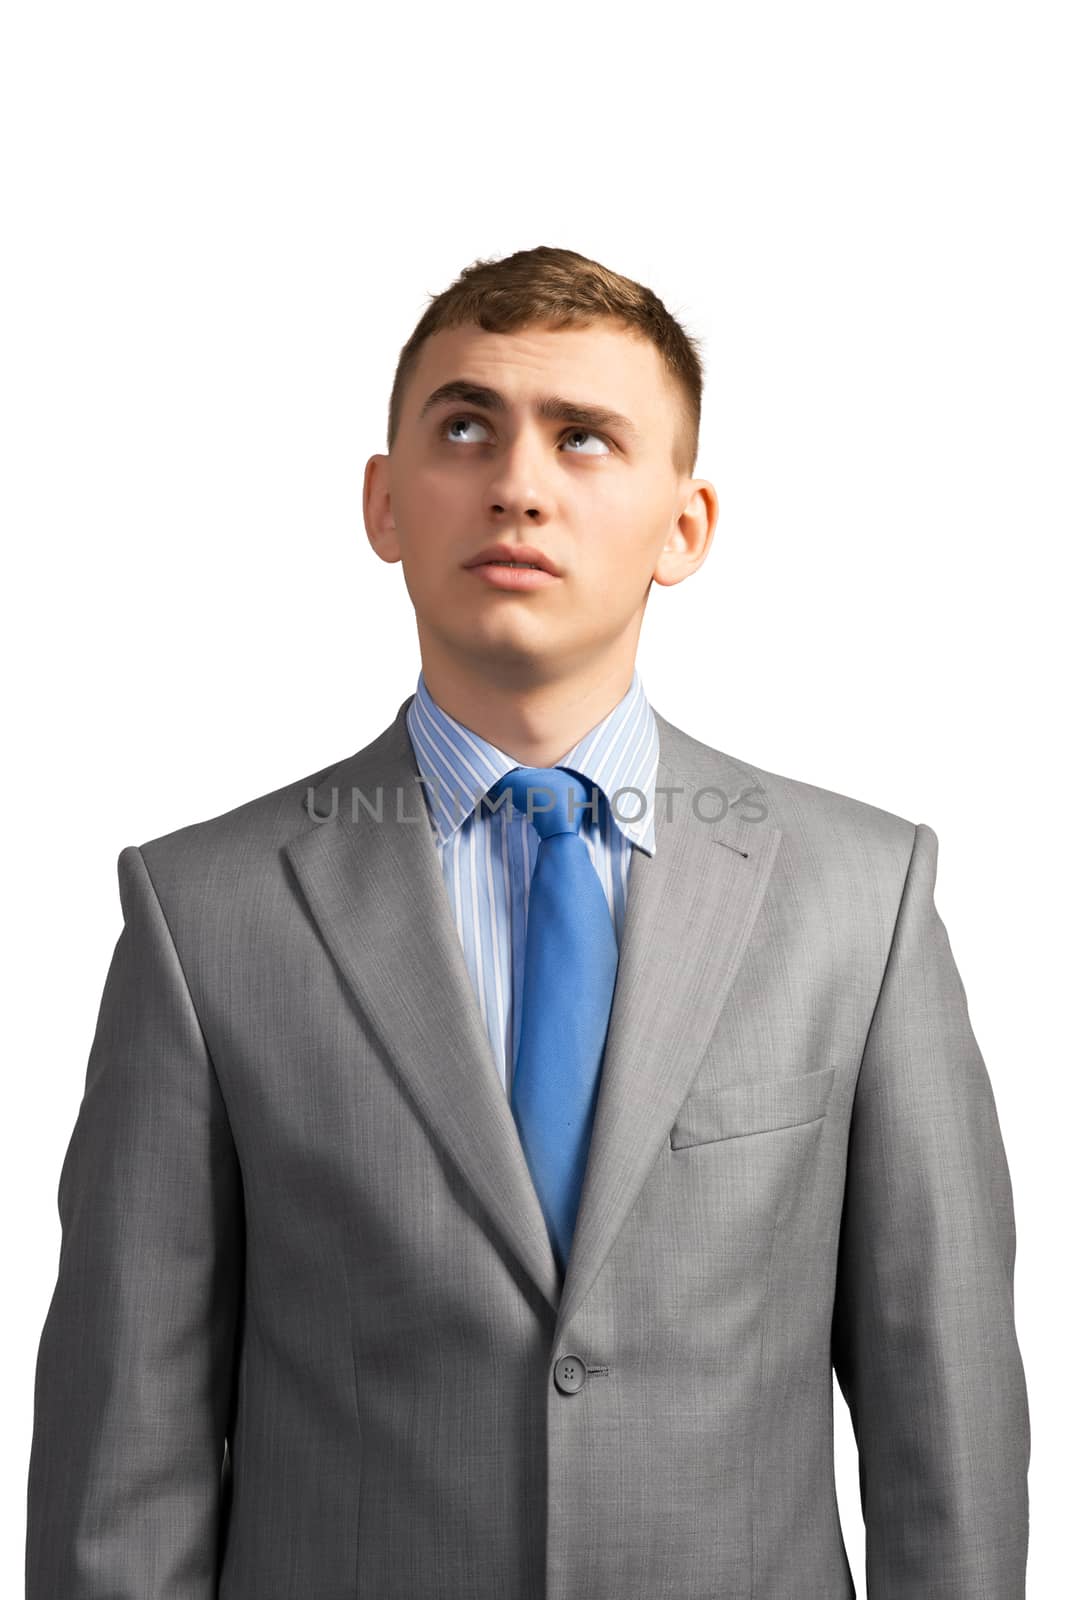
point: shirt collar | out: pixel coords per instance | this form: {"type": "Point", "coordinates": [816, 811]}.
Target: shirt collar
{"type": "Point", "coordinates": [459, 766]}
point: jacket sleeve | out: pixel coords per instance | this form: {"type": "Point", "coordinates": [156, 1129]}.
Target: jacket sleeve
{"type": "Point", "coordinates": [134, 1375]}
{"type": "Point", "coordinates": [923, 1341]}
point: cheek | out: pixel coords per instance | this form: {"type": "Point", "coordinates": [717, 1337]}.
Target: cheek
{"type": "Point", "coordinates": [622, 569]}
{"type": "Point", "coordinates": [426, 505]}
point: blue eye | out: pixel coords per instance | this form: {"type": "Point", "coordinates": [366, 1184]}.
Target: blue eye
{"type": "Point", "coordinates": [570, 433]}
{"type": "Point", "coordinates": [453, 420]}
{"type": "Point", "coordinates": [585, 432]}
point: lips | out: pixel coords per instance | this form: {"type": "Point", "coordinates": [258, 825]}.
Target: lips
{"type": "Point", "coordinates": [514, 553]}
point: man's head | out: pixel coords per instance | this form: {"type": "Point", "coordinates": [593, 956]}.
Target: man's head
{"type": "Point", "coordinates": [481, 452]}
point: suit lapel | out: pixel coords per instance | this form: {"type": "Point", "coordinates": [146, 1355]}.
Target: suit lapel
{"type": "Point", "coordinates": [375, 889]}
{"type": "Point", "coordinates": [690, 912]}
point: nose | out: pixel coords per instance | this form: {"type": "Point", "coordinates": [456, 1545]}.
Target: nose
{"type": "Point", "coordinates": [519, 485]}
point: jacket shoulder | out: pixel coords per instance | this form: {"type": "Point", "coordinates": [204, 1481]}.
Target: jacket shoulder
{"type": "Point", "coordinates": [816, 812]}
{"type": "Point", "coordinates": [816, 821]}
{"type": "Point", "coordinates": [214, 855]}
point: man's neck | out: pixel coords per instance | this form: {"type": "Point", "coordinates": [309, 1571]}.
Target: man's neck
{"type": "Point", "coordinates": [536, 723]}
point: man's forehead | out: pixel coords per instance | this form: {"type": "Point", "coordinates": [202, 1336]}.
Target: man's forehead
{"type": "Point", "coordinates": [591, 368]}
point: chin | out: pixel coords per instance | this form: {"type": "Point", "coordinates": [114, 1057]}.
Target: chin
{"type": "Point", "coordinates": [499, 642]}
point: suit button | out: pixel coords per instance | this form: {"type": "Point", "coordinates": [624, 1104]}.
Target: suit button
{"type": "Point", "coordinates": [569, 1374]}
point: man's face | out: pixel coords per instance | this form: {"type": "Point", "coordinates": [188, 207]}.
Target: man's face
{"type": "Point", "coordinates": [602, 502]}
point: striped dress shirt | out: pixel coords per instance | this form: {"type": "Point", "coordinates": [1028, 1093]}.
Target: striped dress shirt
{"type": "Point", "coordinates": [488, 865]}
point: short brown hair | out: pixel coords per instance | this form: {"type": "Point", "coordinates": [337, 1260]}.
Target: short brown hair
{"type": "Point", "coordinates": [562, 289]}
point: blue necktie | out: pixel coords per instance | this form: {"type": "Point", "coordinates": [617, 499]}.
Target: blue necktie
{"type": "Point", "coordinates": [568, 984]}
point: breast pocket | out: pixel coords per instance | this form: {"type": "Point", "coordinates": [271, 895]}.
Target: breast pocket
{"type": "Point", "coordinates": [736, 1110]}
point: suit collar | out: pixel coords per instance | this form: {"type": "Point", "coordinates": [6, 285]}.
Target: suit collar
{"type": "Point", "coordinates": [372, 881]}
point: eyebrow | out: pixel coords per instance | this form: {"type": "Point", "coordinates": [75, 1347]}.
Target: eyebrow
{"type": "Point", "coordinates": [553, 407]}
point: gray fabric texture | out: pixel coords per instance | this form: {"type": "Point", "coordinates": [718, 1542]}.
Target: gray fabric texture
{"type": "Point", "coordinates": [307, 1332]}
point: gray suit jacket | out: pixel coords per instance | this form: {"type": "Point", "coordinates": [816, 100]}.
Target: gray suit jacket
{"type": "Point", "coordinates": [308, 1340]}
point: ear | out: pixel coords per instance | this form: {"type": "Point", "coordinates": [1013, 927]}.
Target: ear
{"type": "Point", "coordinates": [377, 509]}
{"type": "Point", "coordinates": [690, 538]}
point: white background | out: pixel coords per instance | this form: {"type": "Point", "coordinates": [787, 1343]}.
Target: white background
{"type": "Point", "coordinates": [222, 223]}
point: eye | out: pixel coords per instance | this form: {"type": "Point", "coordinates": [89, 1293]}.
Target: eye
{"type": "Point", "coordinates": [467, 421]}
{"type": "Point", "coordinates": [462, 419]}
{"type": "Point", "coordinates": [583, 433]}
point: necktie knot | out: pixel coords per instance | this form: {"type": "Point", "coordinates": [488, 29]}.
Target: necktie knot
{"type": "Point", "coordinates": [553, 799]}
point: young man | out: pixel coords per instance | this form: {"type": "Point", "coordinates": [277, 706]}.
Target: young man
{"type": "Point", "coordinates": [491, 1143]}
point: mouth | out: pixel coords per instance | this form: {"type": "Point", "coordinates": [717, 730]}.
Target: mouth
{"type": "Point", "coordinates": [511, 575]}
{"type": "Point", "coordinates": [514, 557]}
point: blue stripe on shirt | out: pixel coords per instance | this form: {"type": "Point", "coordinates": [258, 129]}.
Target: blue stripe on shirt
{"type": "Point", "coordinates": [487, 865]}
